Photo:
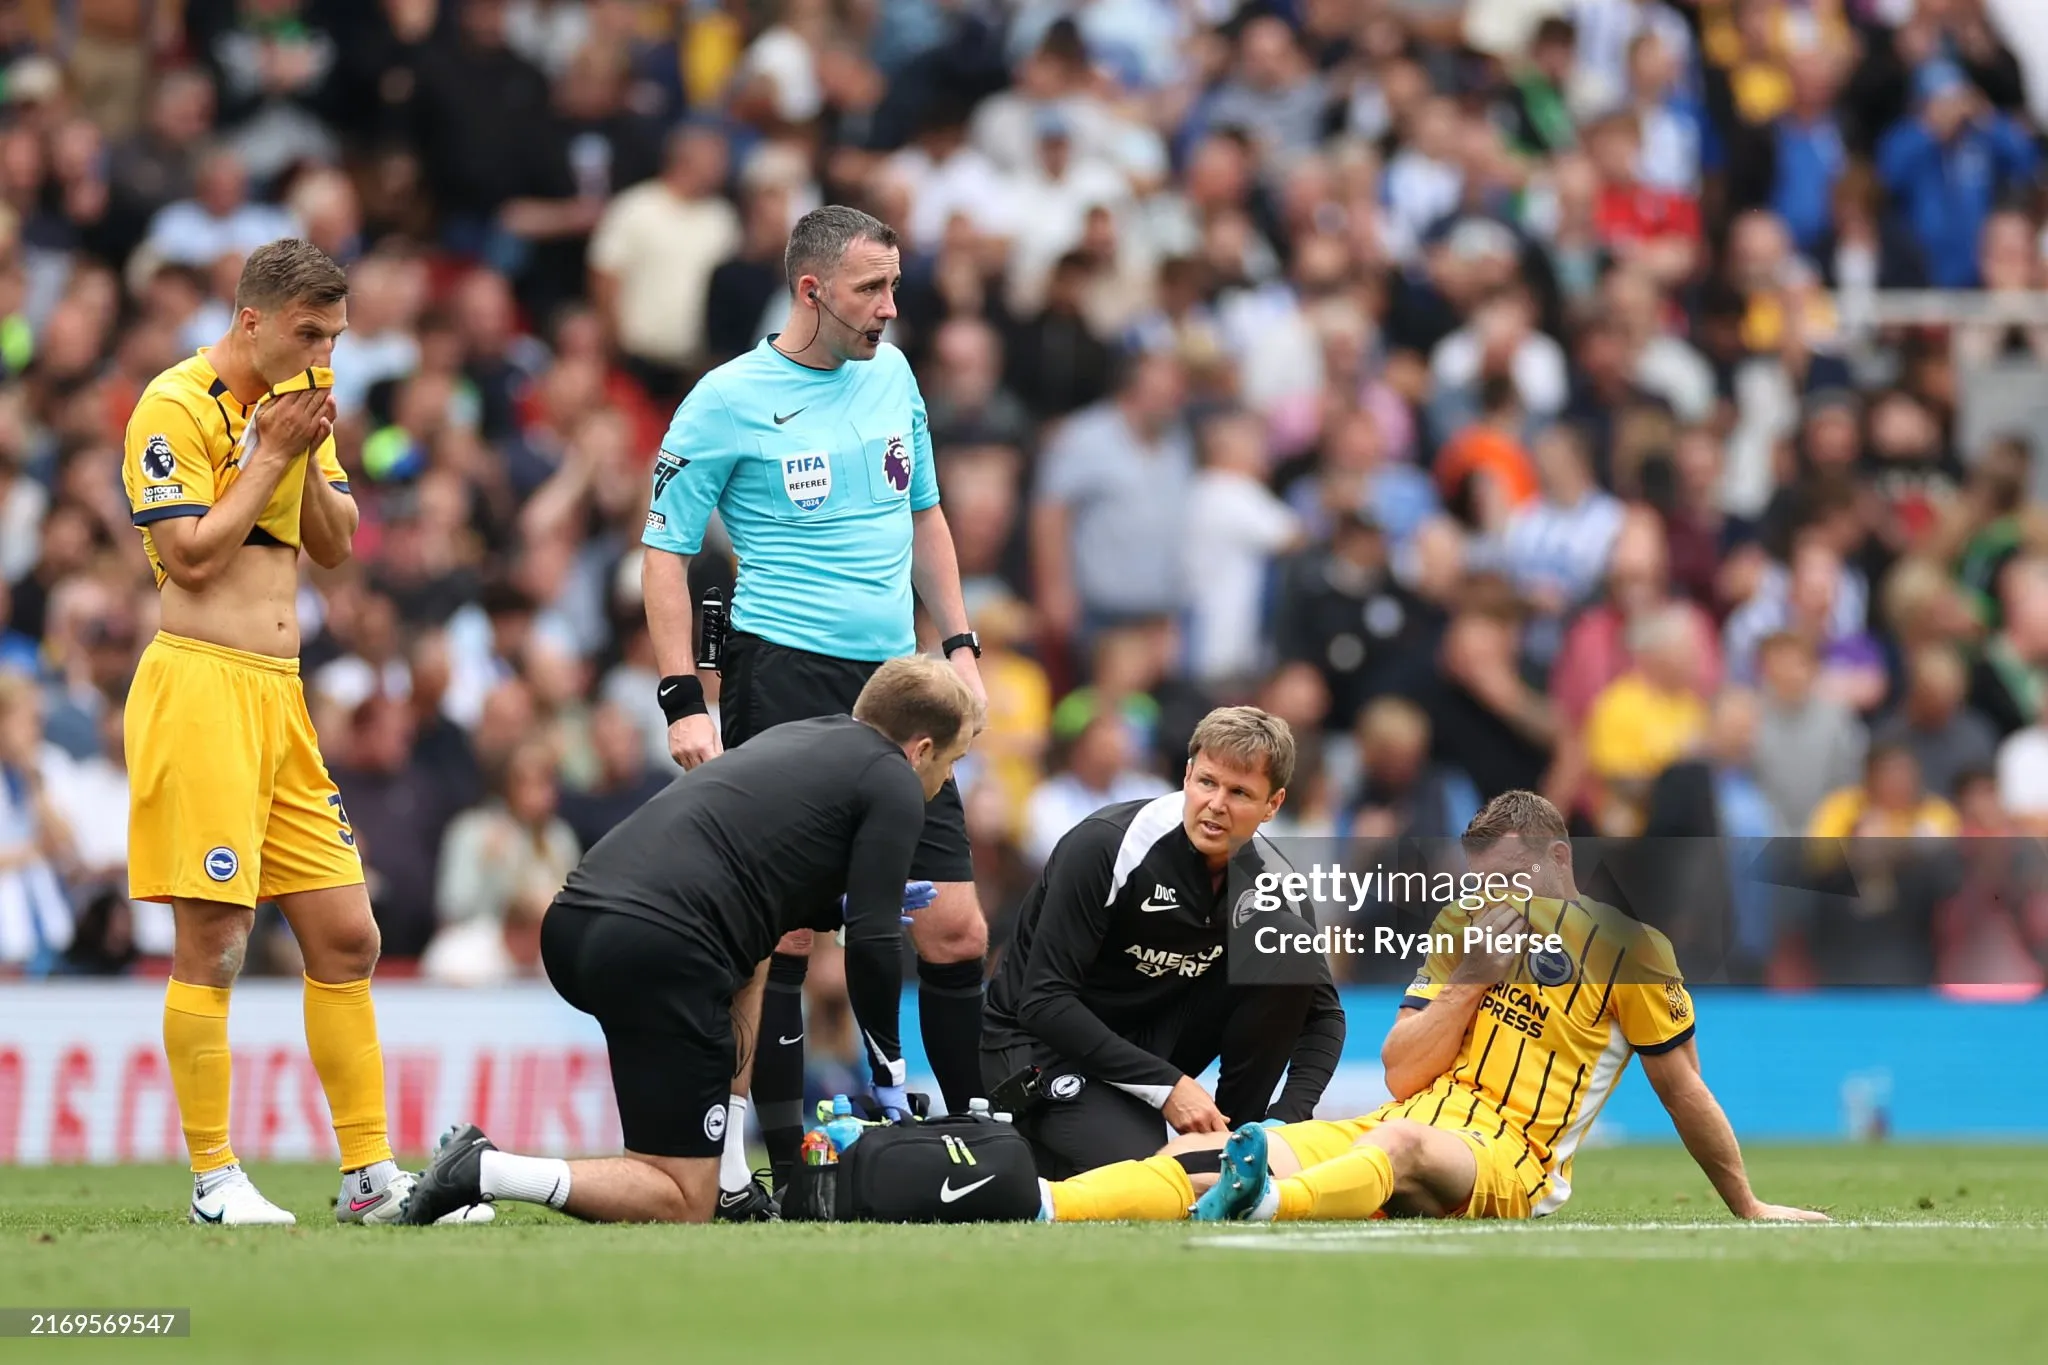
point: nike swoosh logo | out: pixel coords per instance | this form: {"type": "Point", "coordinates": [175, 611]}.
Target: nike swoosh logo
{"type": "Point", "coordinates": [780, 419]}
{"type": "Point", "coordinates": [202, 1215]}
{"type": "Point", "coordinates": [358, 1205]}
{"type": "Point", "coordinates": [1151, 909]}
{"type": "Point", "coordinates": [947, 1194]}
{"type": "Point", "coordinates": [787, 1041]}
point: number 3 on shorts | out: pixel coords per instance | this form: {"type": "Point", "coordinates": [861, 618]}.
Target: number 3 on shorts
{"type": "Point", "coordinates": [348, 835]}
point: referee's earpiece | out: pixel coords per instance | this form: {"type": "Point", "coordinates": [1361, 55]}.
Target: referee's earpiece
{"type": "Point", "coordinates": [826, 309]}
{"type": "Point", "coordinates": [823, 307]}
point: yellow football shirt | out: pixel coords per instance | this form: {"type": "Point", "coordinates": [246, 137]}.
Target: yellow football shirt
{"type": "Point", "coordinates": [185, 448]}
{"type": "Point", "coordinates": [1635, 730]}
{"type": "Point", "coordinates": [1848, 812]}
{"type": "Point", "coordinates": [1547, 1046]}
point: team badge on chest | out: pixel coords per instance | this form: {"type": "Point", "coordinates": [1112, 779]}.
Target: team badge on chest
{"type": "Point", "coordinates": [807, 478]}
{"type": "Point", "coordinates": [1550, 968]}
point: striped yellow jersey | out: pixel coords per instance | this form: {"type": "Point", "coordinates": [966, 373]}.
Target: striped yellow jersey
{"type": "Point", "coordinates": [185, 447]}
{"type": "Point", "coordinates": [1546, 1047]}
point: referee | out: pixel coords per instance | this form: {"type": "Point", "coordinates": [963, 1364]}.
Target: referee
{"type": "Point", "coordinates": [662, 930]}
{"type": "Point", "coordinates": [814, 450]}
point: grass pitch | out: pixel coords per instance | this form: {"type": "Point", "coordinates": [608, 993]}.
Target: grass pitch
{"type": "Point", "coordinates": [1942, 1254]}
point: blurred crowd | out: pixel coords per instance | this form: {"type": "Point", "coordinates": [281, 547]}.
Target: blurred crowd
{"type": "Point", "coordinates": [1481, 385]}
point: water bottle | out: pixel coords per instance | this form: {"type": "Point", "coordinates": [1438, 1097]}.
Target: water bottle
{"type": "Point", "coordinates": [1002, 1117]}
{"type": "Point", "coordinates": [978, 1111]}
{"type": "Point", "coordinates": [844, 1130]}
{"type": "Point", "coordinates": [817, 1149]}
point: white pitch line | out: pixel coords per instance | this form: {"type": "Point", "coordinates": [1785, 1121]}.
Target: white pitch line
{"type": "Point", "coordinates": [1418, 1231]}
{"type": "Point", "coordinates": [1578, 1251]}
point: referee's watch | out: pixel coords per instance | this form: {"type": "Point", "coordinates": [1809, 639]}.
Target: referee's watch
{"type": "Point", "coordinates": [966, 639]}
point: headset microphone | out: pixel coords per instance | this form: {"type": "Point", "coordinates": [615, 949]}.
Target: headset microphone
{"type": "Point", "coordinates": [828, 311]}
{"type": "Point", "coordinates": [826, 308]}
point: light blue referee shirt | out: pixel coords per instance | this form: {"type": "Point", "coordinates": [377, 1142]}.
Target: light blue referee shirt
{"type": "Point", "coordinates": [815, 474]}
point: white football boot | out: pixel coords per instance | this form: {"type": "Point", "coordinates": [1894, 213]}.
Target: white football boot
{"type": "Point", "coordinates": [375, 1194]}
{"type": "Point", "coordinates": [229, 1198]}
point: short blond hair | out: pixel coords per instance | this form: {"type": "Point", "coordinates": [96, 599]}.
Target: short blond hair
{"type": "Point", "coordinates": [287, 271]}
{"type": "Point", "coordinates": [1522, 813]}
{"type": "Point", "coordinates": [1247, 737]}
{"type": "Point", "coordinates": [918, 697]}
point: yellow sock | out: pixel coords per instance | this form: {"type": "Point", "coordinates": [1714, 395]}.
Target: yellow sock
{"type": "Point", "coordinates": [341, 1035]}
{"type": "Point", "coordinates": [1155, 1190]}
{"type": "Point", "coordinates": [1351, 1186]}
{"type": "Point", "coordinates": [196, 1043]}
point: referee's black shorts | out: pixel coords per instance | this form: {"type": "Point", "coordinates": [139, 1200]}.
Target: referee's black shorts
{"type": "Point", "coordinates": [762, 684]}
{"type": "Point", "coordinates": [665, 1004]}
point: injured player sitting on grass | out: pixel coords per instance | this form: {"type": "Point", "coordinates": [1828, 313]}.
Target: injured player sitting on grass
{"type": "Point", "coordinates": [1498, 1065]}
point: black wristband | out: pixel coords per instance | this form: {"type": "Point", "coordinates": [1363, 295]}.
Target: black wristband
{"type": "Point", "coordinates": [681, 694]}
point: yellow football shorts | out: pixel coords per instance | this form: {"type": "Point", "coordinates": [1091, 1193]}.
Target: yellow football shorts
{"type": "Point", "coordinates": [1498, 1190]}
{"type": "Point", "coordinates": [229, 799]}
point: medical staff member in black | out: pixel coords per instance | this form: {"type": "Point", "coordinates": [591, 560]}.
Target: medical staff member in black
{"type": "Point", "coordinates": [1117, 989]}
{"type": "Point", "coordinates": [663, 932]}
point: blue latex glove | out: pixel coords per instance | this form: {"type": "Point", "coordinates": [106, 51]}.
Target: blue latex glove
{"type": "Point", "coordinates": [916, 896]}
{"type": "Point", "coordinates": [893, 1100]}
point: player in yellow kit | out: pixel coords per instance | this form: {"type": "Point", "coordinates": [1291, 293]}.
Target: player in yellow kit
{"type": "Point", "coordinates": [230, 471]}
{"type": "Point", "coordinates": [1503, 1055]}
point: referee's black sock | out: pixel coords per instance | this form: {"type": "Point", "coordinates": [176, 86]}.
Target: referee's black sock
{"type": "Point", "coordinates": [779, 1064]}
{"type": "Point", "coordinates": [949, 1006]}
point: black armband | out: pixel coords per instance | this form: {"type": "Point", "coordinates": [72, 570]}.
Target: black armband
{"type": "Point", "coordinates": [681, 694]}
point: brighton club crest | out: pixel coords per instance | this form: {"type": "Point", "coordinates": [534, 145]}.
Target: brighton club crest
{"type": "Point", "coordinates": [896, 465]}
{"type": "Point", "coordinates": [1550, 968]}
